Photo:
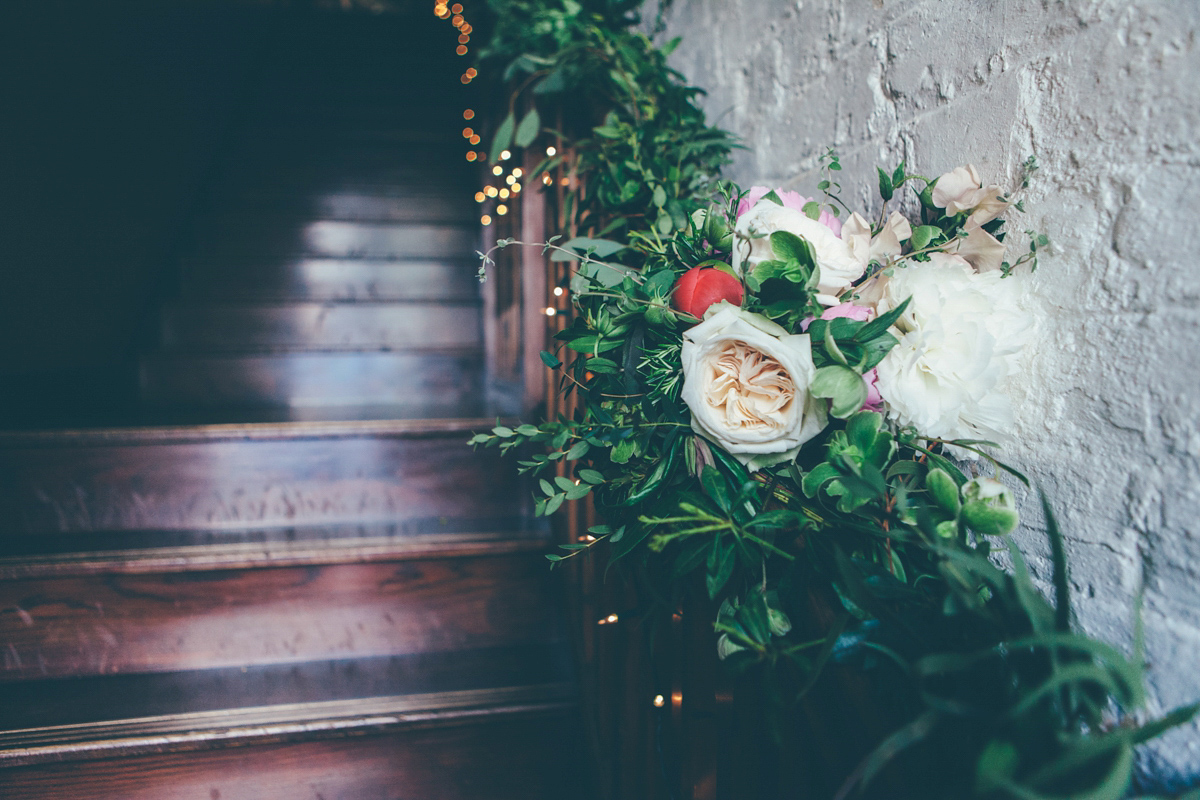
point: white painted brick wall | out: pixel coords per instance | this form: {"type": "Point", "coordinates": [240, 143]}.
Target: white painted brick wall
{"type": "Point", "coordinates": [1106, 94]}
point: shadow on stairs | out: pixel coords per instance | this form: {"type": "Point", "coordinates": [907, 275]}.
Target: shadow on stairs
{"type": "Point", "coordinates": [293, 579]}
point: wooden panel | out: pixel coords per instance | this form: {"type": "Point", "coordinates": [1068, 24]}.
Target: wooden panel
{"type": "Point", "coordinates": [95, 625]}
{"type": "Point", "coordinates": [415, 384]}
{"type": "Point", "coordinates": [334, 279]}
{"type": "Point", "coordinates": [294, 475]}
{"type": "Point", "coordinates": [525, 756]}
{"type": "Point", "coordinates": [322, 326]}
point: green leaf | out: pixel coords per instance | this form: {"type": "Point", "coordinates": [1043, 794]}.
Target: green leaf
{"type": "Point", "coordinates": [843, 386]}
{"type": "Point", "coordinates": [812, 209]}
{"type": "Point", "coordinates": [715, 487]}
{"type": "Point", "coordinates": [503, 432]}
{"type": "Point", "coordinates": [550, 360]}
{"type": "Point", "coordinates": [528, 130]}
{"type": "Point", "coordinates": [503, 138]}
{"type": "Point", "coordinates": [553, 504]}
{"type": "Point", "coordinates": [578, 450]}
{"type": "Point", "coordinates": [660, 196]}
{"type": "Point", "coordinates": [879, 326]}
{"type": "Point", "coordinates": [923, 235]}
{"type": "Point", "coordinates": [597, 248]}
{"type": "Point", "coordinates": [790, 247]}
{"type": "Point", "coordinates": [591, 476]}
{"type": "Point", "coordinates": [885, 185]}
{"type": "Point", "coordinates": [720, 566]}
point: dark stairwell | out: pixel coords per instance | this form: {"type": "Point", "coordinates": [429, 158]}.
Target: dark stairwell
{"type": "Point", "coordinates": [246, 552]}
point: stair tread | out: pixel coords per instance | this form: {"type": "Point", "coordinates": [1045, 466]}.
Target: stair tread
{"type": "Point", "coordinates": [332, 429]}
{"type": "Point", "coordinates": [42, 556]}
{"type": "Point", "coordinates": [103, 716]}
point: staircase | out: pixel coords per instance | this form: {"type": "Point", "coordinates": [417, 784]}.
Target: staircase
{"type": "Point", "coordinates": [298, 582]}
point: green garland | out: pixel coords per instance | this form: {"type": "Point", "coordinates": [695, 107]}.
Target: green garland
{"type": "Point", "coordinates": [1002, 696]}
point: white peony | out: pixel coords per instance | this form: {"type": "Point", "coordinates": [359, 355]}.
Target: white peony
{"type": "Point", "coordinates": [839, 265]}
{"type": "Point", "coordinates": [960, 339]}
{"type": "Point", "coordinates": [746, 380]}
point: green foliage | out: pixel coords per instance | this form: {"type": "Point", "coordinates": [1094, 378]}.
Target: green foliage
{"type": "Point", "coordinates": [1003, 697]}
{"type": "Point", "coordinates": [641, 140]}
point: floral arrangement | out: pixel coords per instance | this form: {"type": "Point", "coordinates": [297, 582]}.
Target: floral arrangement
{"type": "Point", "coordinates": [785, 398]}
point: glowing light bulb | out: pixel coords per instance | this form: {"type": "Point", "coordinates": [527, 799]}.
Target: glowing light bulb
{"type": "Point", "coordinates": [468, 114]}
{"type": "Point", "coordinates": [559, 291]}
{"type": "Point", "coordinates": [457, 8]}
{"type": "Point", "coordinates": [458, 20]}
{"type": "Point", "coordinates": [510, 180]}
{"type": "Point", "coordinates": [609, 620]}
{"type": "Point", "coordinates": [471, 155]}
{"type": "Point", "coordinates": [551, 150]}
{"type": "Point", "coordinates": [517, 172]}
{"type": "Point", "coordinates": [502, 209]}
{"type": "Point", "coordinates": [546, 179]}
{"type": "Point", "coordinates": [468, 133]}
{"type": "Point", "coordinates": [472, 72]}
{"type": "Point", "coordinates": [496, 170]}
{"type": "Point", "coordinates": [516, 187]}
{"type": "Point", "coordinates": [505, 155]}
{"type": "Point", "coordinates": [490, 191]}
{"type": "Point", "coordinates": [475, 139]}
{"type": "Point", "coordinates": [463, 38]}
{"type": "Point", "coordinates": [565, 181]}
{"type": "Point", "coordinates": [551, 312]}
{"type": "Point", "coordinates": [461, 49]}
{"type": "Point", "coordinates": [485, 220]}
{"type": "Point", "coordinates": [480, 197]}
{"type": "Point", "coordinates": [504, 194]}
{"type": "Point", "coordinates": [659, 701]}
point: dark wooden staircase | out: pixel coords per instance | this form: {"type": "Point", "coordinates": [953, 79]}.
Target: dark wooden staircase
{"type": "Point", "coordinates": [298, 581]}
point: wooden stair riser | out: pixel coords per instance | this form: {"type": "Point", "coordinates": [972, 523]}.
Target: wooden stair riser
{"type": "Point", "coordinates": [334, 239]}
{"type": "Point", "coordinates": [232, 484]}
{"type": "Point", "coordinates": [414, 384]}
{"type": "Point", "coordinates": [501, 757]}
{"type": "Point", "coordinates": [102, 624]}
{"type": "Point", "coordinates": [321, 326]}
{"type": "Point", "coordinates": [333, 279]}
{"type": "Point", "coordinates": [273, 207]}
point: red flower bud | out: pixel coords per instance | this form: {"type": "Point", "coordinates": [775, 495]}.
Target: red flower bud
{"type": "Point", "coordinates": [701, 287]}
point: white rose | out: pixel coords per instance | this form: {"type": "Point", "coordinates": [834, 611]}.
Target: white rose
{"type": "Point", "coordinates": [745, 380]}
{"type": "Point", "coordinates": [962, 190]}
{"type": "Point", "coordinates": [839, 266]}
{"type": "Point", "coordinates": [960, 339]}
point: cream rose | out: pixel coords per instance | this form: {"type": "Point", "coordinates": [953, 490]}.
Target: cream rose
{"type": "Point", "coordinates": [837, 262]}
{"type": "Point", "coordinates": [745, 380]}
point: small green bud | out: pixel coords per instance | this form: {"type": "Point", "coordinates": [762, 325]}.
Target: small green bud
{"type": "Point", "coordinates": [778, 622]}
{"type": "Point", "coordinates": [657, 313]}
{"type": "Point", "coordinates": [989, 507]}
{"type": "Point", "coordinates": [944, 490]}
{"type": "Point", "coordinates": [947, 529]}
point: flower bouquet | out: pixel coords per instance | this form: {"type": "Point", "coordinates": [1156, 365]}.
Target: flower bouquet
{"type": "Point", "coordinates": [784, 396]}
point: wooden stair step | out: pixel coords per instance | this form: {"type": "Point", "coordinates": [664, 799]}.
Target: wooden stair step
{"type": "Point", "coordinates": [321, 326]}
{"type": "Point", "coordinates": [492, 746]}
{"type": "Point", "coordinates": [200, 614]}
{"type": "Point", "coordinates": [417, 726]}
{"type": "Point", "coordinates": [339, 239]}
{"type": "Point", "coordinates": [334, 279]}
{"type": "Point", "coordinates": [272, 206]}
{"type": "Point", "coordinates": [414, 383]}
{"type": "Point", "coordinates": [116, 699]}
{"type": "Point", "coordinates": [238, 477]}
